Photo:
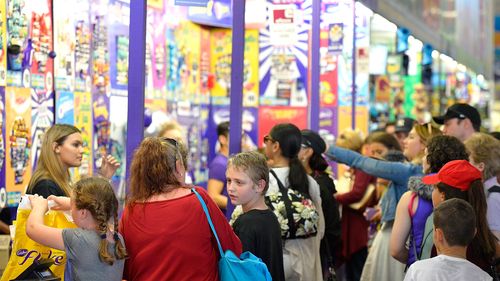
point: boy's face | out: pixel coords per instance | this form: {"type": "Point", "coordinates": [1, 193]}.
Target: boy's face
{"type": "Point", "coordinates": [240, 187]}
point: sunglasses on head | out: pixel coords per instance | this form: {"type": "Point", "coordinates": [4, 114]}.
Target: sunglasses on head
{"type": "Point", "coordinates": [268, 138]}
{"type": "Point", "coordinates": [173, 142]}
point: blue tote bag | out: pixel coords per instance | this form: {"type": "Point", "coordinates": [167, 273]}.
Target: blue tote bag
{"type": "Point", "coordinates": [247, 267]}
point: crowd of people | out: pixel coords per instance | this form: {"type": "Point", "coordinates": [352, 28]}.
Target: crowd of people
{"type": "Point", "coordinates": [411, 203]}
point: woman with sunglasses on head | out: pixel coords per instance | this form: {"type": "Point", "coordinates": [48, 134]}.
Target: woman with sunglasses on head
{"type": "Point", "coordinates": [414, 211]}
{"type": "Point", "coordinates": [62, 148]}
{"type": "Point", "coordinates": [315, 165]}
{"type": "Point", "coordinates": [301, 257]}
{"type": "Point", "coordinates": [164, 227]}
{"type": "Point", "coordinates": [379, 264]}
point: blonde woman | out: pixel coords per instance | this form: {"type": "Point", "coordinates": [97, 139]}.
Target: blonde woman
{"type": "Point", "coordinates": [484, 154]}
{"type": "Point", "coordinates": [62, 148]}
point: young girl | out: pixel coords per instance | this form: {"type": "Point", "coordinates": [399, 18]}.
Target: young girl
{"type": "Point", "coordinates": [95, 249]}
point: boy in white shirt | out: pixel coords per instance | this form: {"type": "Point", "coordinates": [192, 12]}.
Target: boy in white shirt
{"type": "Point", "coordinates": [454, 229]}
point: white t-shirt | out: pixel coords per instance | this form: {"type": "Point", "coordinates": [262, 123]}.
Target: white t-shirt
{"type": "Point", "coordinates": [443, 268]}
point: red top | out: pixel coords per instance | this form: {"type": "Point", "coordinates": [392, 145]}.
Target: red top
{"type": "Point", "coordinates": [171, 239]}
{"type": "Point", "coordinates": [354, 224]}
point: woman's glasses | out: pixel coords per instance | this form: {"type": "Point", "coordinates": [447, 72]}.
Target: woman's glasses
{"type": "Point", "coordinates": [268, 138]}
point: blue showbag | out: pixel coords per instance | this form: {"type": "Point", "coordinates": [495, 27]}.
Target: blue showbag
{"type": "Point", "coordinates": [247, 267]}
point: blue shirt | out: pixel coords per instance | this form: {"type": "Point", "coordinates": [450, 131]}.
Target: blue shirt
{"type": "Point", "coordinates": [398, 173]}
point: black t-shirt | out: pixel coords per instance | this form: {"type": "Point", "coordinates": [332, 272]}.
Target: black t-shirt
{"type": "Point", "coordinates": [331, 213]}
{"type": "Point", "coordinates": [46, 188]}
{"type": "Point", "coordinates": [260, 234]}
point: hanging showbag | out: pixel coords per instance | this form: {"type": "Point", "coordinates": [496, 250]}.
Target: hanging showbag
{"type": "Point", "coordinates": [25, 250]}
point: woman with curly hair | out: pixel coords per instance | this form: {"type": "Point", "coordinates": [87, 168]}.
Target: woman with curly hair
{"type": "Point", "coordinates": [415, 206]}
{"type": "Point", "coordinates": [165, 229]}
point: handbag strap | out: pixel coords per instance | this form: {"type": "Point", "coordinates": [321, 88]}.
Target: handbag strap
{"type": "Point", "coordinates": [280, 184]}
{"type": "Point", "coordinates": [292, 228]}
{"type": "Point", "coordinates": [209, 219]}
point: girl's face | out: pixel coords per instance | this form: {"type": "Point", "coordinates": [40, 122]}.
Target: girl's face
{"type": "Point", "coordinates": [437, 197]}
{"type": "Point", "coordinates": [425, 164]}
{"type": "Point", "coordinates": [269, 145]}
{"type": "Point", "coordinates": [413, 146]}
{"type": "Point", "coordinates": [378, 150]}
{"type": "Point", "coordinates": [70, 152]}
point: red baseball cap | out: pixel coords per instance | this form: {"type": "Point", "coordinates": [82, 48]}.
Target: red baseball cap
{"type": "Point", "coordinates": [457, 173]}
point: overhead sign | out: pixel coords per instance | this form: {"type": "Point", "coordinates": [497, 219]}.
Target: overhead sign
{"type": "Point", "coordinates": [192, 3]}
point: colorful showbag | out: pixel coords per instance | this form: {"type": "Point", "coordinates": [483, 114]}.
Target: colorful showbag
{"type": "Point", "coordinates": [25, 250]}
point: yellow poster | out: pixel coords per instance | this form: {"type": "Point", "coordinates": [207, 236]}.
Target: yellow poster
{"type": "Point", "coordinates": [18, 131]}
{"type": "Point", "coordinates": [83, 121]}
{"type": "Point", "coordinates": [156, 4]}
{"type": "Point", "coordinates": [251, 69]}
{"type": "Point", "coordinates": [188, 41]}
{"type": "Point", "coordinates": [3, 44]}
{"type": "Point", "coordinates": [221, 66]}
{"type": "Point", "coordinates": [345, 118]}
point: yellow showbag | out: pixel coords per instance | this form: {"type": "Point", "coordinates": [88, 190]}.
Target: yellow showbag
{"type": "Point", "coordinates": [25, 250]}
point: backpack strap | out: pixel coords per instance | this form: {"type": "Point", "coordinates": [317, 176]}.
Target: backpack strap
{"type": "Point", "coordinates": [292, 229]}
{"type": "Point", "coordinates": [412, 237]}
{"type": "Point", "coordinates": [410, 205]}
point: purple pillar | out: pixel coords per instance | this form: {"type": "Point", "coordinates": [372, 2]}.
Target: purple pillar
{"type": "Point", "coordinates": [236, 94]}
{"type": "Point", "coordinates": [354, 65]}
{"type": "Point", "coordinates": [314, 105]}
{"type": "Point", "coordinates": [136, 77]}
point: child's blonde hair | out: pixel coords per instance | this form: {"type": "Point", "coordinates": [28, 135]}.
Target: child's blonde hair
{"type": "Point", "coordinates": [253, 164]}
{"type": "Point", "coordinates": [97, 196]}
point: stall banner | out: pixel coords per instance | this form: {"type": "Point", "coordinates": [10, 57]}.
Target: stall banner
{"type": "Point", "coordinates": [382, 89]}
{"type": "Point", "coordinates": [346, 121]}
{"type": "Point", "coordinates": [328, 128]}
{"type": "Point", "coordinates": [328, 73]}
{"type": "Point", "coordinates": [3, 43]}
{"type": "Point", "coordinates": [221, 67]}
{"type": "Point", "coordinates": [156, 50]}
{"type": "Point", "coordinates": [64, 44]}
{"type": "Point", "coordinates": [283, 54]}
{"type": "Point", "coordinates": [194, 119]}
{"type": "Point", "coordinates": [118, 43]}
{"type": "Point", "coordinates": [205, 71]}
{"type": "Point", "coordinates": [82, 47]}
{"type": "Point", "coordinates": [216, 13]}
{"type": "Point", "coordinates": [83, 121]}
{"type": "Point", "coordinates": [3, 140]}
{"type": "Point", "coordinates": [40, 57]}
{"type": "Point", "coordinates": [100, 78]}
{"type": "Point", "coordinates": [18, 63]}
{"type": "Point", "coordinates": [42, 118]}
{"type": "Point", "coordinates": [183, 62]}
{"type": "Point", "coordinates": [249, 139]}
{"type": "Point", "coordinates": [328, 124]}
{"type": "Point", "coordinates": [65, 108]}
{"type": "Point", "coordinates": [18, 131]}
{"type": "Point", "coordinates": [272, 115]}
